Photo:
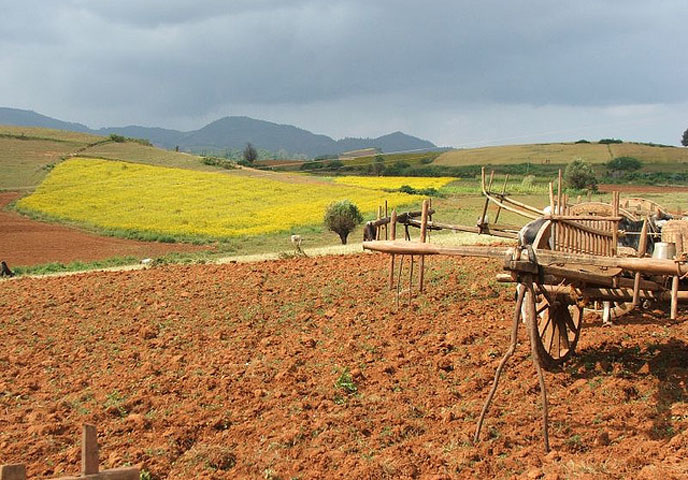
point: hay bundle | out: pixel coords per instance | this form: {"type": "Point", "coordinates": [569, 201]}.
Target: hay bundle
{"type": "Point", "coordinates": [676, 231]}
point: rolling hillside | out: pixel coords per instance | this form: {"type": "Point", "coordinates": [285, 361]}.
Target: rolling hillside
{"type": "Point", "coordinates": [562, 153]}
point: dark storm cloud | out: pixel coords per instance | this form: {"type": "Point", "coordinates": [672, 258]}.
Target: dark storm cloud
{"type": "Point", "coordinates": [154, 60]}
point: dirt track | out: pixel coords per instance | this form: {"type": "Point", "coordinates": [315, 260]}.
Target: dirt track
{"type": "Point", "coordinates": [231, 371]}
{"type": "Point", "coordinates": [27, 242]}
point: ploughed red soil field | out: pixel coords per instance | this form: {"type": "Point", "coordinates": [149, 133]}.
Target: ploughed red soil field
{"type": "Point", "coordinates": [307, 368]}
{"type": "Point", "coordinates": [28, 242]}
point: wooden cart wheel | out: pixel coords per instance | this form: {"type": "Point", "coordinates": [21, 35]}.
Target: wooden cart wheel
{"type": "Point", "coordinates": [558, 329]}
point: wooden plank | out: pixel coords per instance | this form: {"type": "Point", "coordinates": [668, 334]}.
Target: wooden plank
{"type": "Point", "coordinates": [402, 247]}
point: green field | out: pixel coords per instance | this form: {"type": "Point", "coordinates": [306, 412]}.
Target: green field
{"type": "Point", "coordinates": [561, 154]}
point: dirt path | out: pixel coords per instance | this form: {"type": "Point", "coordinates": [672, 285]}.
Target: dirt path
{"type": "Point", "coordinates": [28, 242]}
{"type": "Point", "coordinates": [306, 368]}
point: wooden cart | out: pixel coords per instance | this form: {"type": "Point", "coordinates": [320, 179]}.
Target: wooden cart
{"type": "Point", "coordinates": [573, 263]}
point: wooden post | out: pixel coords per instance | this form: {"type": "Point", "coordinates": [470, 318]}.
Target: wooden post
{"type": "Point", "coordinates": [386, 225]}
{"type": "Point", "coordinates": [12, 472]}
{"type": "Point", "coordinates": [642, 248]}
{"type": "Point", "coordinates": [615, 230]}
{"type": "Point", "coordinates": [499, 208]}
{"type": "Point", "coordinates": [393, 236]}
{"type": "Point", "coordinates": [559, 192]}
{"type": "Point", "coordinates": [674, 297]}
{"type": "Point", "coordinates": [89, 450]}
{"type": "Point", "coordinates": [379, 214]}
{"type": "Point", "coordinates": [423, 234]}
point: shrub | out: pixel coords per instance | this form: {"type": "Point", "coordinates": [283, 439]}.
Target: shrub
{"type": "Point", "coordinates": [582, 140]}
{"type": "Point", "coordinates": [342, 217]}
{"type": "Point", "coordinates": [626, 164]}
{"type": "Point", "coordinates": [684, 139]}
{"type": "Point", "coordinates": [580, 175]}
{"type": "Point", "coordinates": [117, 138]}
{"type": "Point", "coordinates": [528, 181]}
{"type": "Point", "coordinates": [607, 141]}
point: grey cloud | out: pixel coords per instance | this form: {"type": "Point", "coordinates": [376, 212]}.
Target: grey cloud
{"type": "Point", "coordinates": [173, 59]}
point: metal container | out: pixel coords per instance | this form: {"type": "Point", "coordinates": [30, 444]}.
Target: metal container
{"type": "Point", "coordinates": [664, 251]}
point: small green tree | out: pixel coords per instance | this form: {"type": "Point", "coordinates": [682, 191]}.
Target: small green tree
{"type": "Point", "coordinates": [626, 164]}
{"type": "Point", "coordinates": [250, 153]}
{"type": "Point", "coordinates": [342, 217]}
{"type": "Point", "coordinates": [580, 175]}
{"type": "Point", "coordinates": [684, 140]}
{"type": "Point", "coordinates": [379, 165]}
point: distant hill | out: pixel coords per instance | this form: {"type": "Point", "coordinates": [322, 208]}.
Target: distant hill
{"type": "Point", "coordinates": [28, 118]}
{"type": "Point", "coordinates": [231, 133]}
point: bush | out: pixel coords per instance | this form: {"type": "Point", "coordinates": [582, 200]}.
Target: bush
{"type": "Point", "coordinates": [582, 140]}
{"type": "Point", "coordinates": [117, 138]}
{"type": "Point", "coordinates": [580, 175]}
{"type": "Point", "coordinates": [218, 162]}
{"type": "Point", "coordinates": [528, 181]}
{"type": "Point", "coordinates": [607, 141]}
{"type": "Point", "coordinates": [342, 217]}
{"type": "Point", "coordinates": [625, 164]}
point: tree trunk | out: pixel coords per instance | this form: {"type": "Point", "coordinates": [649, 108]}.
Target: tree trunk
{"type": "Point", "coordinates": [343, 236]}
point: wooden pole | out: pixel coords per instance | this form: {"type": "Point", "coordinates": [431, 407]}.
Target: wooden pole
{"type": "Point", "coordinates": [642, 248]}
{"type": "Point", "coordinates": [499, 208]}
{"type": "Point", "coordinates": [379, 216]}
{"type": "Point", "coordinates": [559, 192]}
{"type": "Point", "coordinates": [386, 225]}
{"type": "Point", "coordinates": [393, 236]}
{"type": "Point", "coordinates": [674, 297]}
{"type": "Point", "coordinates": [423, 234]}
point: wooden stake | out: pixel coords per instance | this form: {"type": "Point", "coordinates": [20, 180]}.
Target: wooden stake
{"type": "Point", "coordinates": [379, 215]}
{"type": "Point", "coordinates": [393, 236]}
{"type": "Point", "coordinates": [674, 297]}
{"type": "Point", "coordinates": [559, 192]}
{"type": "Point", "coordinates": [423, 234]}
{"type": "Point", "coordinates": [642, 248]}
{"type": "Point", "coordinates": [499, 208]}
{"type": "Point", "coordinates": [386, 225]}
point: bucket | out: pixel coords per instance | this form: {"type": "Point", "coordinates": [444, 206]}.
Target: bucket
{"type": "Point", "coordinates": [664, 251]}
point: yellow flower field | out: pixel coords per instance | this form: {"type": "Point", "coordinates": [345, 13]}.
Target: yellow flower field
{"type": "Point", "coordinates": [143, 198]}
{"type": "Point", "coordinates": [394, 183]}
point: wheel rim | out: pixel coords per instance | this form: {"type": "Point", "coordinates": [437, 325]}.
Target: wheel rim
{"type": "Point", "coordinates": [558, 329]}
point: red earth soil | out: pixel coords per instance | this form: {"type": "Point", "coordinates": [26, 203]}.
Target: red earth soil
{"type": "Point", "coordinates": [28, 242]}
{"type": "Point", "coordinates": [606, 188]}
{"type": "Point", "coordinates": [307, 368]}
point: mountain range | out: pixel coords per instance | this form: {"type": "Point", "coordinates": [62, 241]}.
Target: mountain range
{"type": "Point", "coordinates": [230, 133]}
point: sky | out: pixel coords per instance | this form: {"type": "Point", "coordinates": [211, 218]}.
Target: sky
{"type": "Point", "coordinates": [458, 73]}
